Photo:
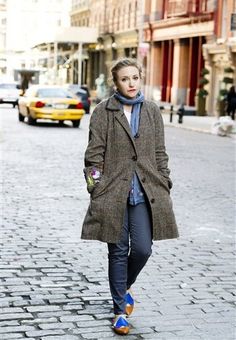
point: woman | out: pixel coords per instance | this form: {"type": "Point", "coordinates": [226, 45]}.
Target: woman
{"type": "Point", "coordinates": [128, 179]}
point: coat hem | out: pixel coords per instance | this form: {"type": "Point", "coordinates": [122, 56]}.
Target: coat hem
{"type": "Point", "coordinates": [84, 238]}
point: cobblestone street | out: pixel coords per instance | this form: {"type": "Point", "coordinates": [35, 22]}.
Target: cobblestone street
{"type": "Point", "coordinates": [54, 286]}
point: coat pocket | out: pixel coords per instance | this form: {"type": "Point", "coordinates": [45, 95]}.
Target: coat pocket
{"type": "Point", "coordinates": [99, 188]}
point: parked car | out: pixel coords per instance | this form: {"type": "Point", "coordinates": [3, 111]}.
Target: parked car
{"type": "Point", "coordinates": [9, 93]}
{"type": "Point", "coordinates": [82, 93]}
{"type": "Point", "coordinates": [50, 102]}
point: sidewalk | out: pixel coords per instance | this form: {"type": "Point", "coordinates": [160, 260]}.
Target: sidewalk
{"type": "Point", "coordinates": [194, 123]}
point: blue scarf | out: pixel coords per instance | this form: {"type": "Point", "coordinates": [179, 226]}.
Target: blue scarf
{"type": "Point", "coordinates": [136, 103]}
{"type": "Point", "coordinates": [136, 195]}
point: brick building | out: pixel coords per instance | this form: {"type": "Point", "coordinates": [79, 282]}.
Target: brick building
{"type": "Point", "coordinates": [176, 31]}
{"type": "Point", "coordinates": [174, 40]}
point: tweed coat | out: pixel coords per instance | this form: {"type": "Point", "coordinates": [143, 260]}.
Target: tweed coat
{"type": "Point", "coordinates": [117, 154]}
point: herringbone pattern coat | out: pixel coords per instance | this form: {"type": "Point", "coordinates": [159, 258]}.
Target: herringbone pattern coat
{"type": "Point", "coordinates": [117, 154]}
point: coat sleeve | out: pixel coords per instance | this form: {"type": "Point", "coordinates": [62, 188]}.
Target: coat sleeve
{"type": "Point", "coordinates": [95, 152]}
{"type": "Point", "coordinates": [160, 149]}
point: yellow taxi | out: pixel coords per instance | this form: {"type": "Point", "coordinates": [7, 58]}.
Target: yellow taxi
{"type": "Point", "coordinates": [50, 102]}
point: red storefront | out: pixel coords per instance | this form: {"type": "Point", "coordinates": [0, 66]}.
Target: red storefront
{"type": "Point", "coordinates": [176, 31]}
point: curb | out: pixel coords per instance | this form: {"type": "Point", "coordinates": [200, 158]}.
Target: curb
{"type": "Point", "coordinates": [232, 135]}
{"type": "Point", "coordinates": [188, 128]}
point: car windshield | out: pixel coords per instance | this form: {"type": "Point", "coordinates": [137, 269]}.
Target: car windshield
{"type": "Point", "coordinates": [53, 93]}
{"type": "Point", "coordinates": [8, 86]}
{"type": "Point", "coordinates": [74, 87]}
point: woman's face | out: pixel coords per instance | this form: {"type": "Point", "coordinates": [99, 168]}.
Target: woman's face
{"type": "Point", "coordinates": [128, 81]}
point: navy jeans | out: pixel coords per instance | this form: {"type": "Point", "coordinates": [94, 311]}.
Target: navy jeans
{"type": "Point", "coordinates": [130, 254]}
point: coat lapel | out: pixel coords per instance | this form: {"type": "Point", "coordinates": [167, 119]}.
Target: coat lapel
{"type": "Point", "coordinates": [114, 105]}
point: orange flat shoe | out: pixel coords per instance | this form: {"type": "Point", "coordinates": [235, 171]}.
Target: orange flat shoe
{"type": "Point", "coordinates": [121, 325]}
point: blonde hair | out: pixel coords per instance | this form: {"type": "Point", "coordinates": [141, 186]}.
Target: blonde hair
{"type": "Point", "coordinates": [124, 62]}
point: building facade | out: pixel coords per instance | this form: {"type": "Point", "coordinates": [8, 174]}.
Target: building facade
{"type": "Point", "coordinates": [118, 33]}
{"type": "Point", "coordinates": [175, 40]}
{"type": "Point", "coordinates": [172, 39]}
{"type": "Point", "coordinates": [176, 31]}
{"type": "Point", "coordinates": [220, 55]}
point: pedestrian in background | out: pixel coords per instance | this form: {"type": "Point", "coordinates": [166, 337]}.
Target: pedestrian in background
{"type": "Point", "coordinates": [100, 88]}
{"type": "Point", "coordinates": [126, 168]}
{"type": "Point", "coordinates": [231, 102]}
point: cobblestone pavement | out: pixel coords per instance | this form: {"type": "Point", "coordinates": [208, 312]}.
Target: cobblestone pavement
{"type": "Point", "coordinates": [53, 286]}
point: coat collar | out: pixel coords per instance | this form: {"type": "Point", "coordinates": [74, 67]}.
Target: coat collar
{"type": "Point", "coordinates": [113, 104]}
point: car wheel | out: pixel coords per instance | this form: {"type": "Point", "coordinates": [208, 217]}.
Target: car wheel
{"type": "Point", "coordinates": [31, 121]}
{"type": "Point", "coordinates": [76, 123]}
{"type": "Point", "coordinates": [20, 117]}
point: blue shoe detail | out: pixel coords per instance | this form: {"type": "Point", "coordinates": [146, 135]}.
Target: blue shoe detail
{"type": "Point", "coordinates": [128, 299]}
{"type": "Point", "coordinates": [129, 303]}
{"type": "Point", "coordinates": [121, 322]}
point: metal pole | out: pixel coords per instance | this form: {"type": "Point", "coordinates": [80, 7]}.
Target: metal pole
{"type": "Point", "coordinates": [80, 62]}
{"type": "Point", "coordinates": [171, 113]}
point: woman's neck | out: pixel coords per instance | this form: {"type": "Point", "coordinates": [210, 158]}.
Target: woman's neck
{"type": "Point", "coordinates": [127, 107]}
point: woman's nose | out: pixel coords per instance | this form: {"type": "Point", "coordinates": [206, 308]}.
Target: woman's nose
{"type": "Point", "coordinates": [131, 83]}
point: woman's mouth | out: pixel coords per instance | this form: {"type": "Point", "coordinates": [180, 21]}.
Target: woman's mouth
{"type": "Point", "coordinates": [131, 90]}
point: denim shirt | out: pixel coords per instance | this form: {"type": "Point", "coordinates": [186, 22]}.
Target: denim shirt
{"type": "Point", "coordinates": [136, 194]}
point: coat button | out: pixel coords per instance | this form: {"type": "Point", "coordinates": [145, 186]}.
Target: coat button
{"type": "Point", "coordinates": [143, 179]}
{"type": "Point", "coordinates": [134, 158]}
{"type": "Point", "coordinates": [153, 200]}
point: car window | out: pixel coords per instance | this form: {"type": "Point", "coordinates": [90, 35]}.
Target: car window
{"type": "Point", "coordinates": [8, 86]}
{"type": "Point", "coordinates": [53, 92]}
{"type": "Point", "coordinates": [76, 89]}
